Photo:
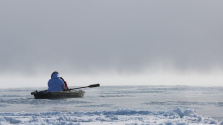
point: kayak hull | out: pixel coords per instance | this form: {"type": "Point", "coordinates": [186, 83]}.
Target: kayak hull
{"type": "Point", "coordinates": [57, 95]}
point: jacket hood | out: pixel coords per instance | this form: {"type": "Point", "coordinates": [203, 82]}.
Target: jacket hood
{"type": "Point", "coordinates": [55, 75]}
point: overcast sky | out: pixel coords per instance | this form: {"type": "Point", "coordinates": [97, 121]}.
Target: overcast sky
{"type": "Point", "coordinates": [127, 37]}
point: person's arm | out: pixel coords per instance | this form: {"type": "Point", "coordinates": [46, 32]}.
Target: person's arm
{"type": "Point", "coordinates": [63, 86]}
{"type": "Point", "coordinates": [65, 83]}
{"type": "Point", "coordinates": [48, 85]}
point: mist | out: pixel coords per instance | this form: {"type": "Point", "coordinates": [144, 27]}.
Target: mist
{"type": "Point", "coordinates": [115, 42]}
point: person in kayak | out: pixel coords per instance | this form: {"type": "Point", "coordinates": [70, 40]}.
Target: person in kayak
{"type": "Point", "coordinates": [55, 84]}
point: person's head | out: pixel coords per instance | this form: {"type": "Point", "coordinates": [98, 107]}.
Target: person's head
{"type": "Point", "coordinates": [55, 72]}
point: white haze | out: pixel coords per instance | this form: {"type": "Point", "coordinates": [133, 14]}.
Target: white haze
{"type": "Point", "coordinates": [118, 42]}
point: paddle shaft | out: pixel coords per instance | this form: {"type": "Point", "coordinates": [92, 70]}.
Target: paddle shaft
{"type": "Point", "coordinates": [79, 87]}
{"type": "Point", "coordinates": [90, 86]}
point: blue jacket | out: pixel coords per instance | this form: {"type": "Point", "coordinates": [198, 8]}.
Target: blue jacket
{"type": "Point", "coordinates": [55, 84]}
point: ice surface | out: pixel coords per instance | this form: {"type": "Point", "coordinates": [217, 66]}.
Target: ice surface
{"type": "Point", "coordinates": [162, 105]}
{"type": "Point", "coordinates": [177, 116]}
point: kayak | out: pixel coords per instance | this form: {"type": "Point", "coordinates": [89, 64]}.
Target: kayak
{"type": "Point", "coordinates": [57, 95]}
{"type": "Point", "coordinates": [71, 93]}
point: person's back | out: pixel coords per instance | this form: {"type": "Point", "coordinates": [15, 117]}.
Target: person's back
{"type": "Point", "coordinates": [55, 84]}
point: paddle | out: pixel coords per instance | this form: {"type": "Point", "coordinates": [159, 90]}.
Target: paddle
{"type": "Point", "coordinates": [90, 86]}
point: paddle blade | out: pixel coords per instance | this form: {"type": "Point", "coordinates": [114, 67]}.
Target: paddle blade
{"type": "Point", "coordinates": [94, 85]}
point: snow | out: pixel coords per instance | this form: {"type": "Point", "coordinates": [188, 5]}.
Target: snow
{"type": "Point", "coordinates": [177, 116]}
{"type": "Point", "coordinates": [130, 105]}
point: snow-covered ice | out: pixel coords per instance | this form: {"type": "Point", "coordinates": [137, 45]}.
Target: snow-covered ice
{"type": "Point", "coordinates": [131, 105]}
{"type": "Point", "coordinates": [177, 116]}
